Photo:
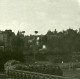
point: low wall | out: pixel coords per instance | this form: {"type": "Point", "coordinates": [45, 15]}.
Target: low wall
{"type": "Point", "coordinates": [19, 74]}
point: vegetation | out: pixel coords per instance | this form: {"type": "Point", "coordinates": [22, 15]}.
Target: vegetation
{"type": "Point", "coordinates": [14, 49]}
{"type": "Point", "coordinates": [60, 46]}
{"type": "Point", "coordinates": [18, 48]}
{"type": "Point", "coordinates": [64, 45]}
{"type": "Point", "coordinates": [46, 69]}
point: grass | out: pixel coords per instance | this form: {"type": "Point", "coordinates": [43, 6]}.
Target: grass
{"type": "Point", "coordinates": [72, 73]}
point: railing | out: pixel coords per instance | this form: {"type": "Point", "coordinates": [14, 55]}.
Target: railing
{"type": "Point", "coordinates": [19, 74]}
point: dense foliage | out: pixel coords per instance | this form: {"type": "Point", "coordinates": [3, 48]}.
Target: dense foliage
{"type": "Point", "coordinates": [63, 44]}
{"type": "Point", "coordinates": [13, 50]}
{"type": "Point", "coordinates": [46, 69]}
{"type": "Point", "coordinates": [60, 46]}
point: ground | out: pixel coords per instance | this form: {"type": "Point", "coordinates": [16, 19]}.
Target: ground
{"type": "Point", "coordinates": [3, 76]}
{"type": "Point", "coordinates": [72, 73]}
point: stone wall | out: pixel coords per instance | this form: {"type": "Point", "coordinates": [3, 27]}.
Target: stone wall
{"type": "Point", "coordinates": [19, 74]}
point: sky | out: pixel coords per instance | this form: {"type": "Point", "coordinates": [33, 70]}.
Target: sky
{"type": "Point", "coordinates": [40, 15]}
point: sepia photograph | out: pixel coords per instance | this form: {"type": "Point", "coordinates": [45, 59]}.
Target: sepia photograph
{"type": "Point", "coordinates": [39, 39]}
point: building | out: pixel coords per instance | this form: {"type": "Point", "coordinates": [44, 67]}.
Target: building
{"type": "Point", "coordinates": [5, 39]}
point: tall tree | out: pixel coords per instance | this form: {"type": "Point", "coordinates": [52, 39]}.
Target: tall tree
{"type": "Point", "coordinates": [18, 47]}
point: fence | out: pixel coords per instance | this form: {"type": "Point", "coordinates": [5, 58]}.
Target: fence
{"type": "Point", "coordinates": [19, 74]}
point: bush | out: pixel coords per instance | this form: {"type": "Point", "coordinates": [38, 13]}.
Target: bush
{"type": "Point", "coordinates": [46, 69]}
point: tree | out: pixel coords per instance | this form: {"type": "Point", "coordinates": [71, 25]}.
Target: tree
{"type": "Point", "coordinates": [36, 32]}
{"type": "Point", "coordinates": [49, 32]}
{"type": "Point", "coordinates": [18, 46]}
